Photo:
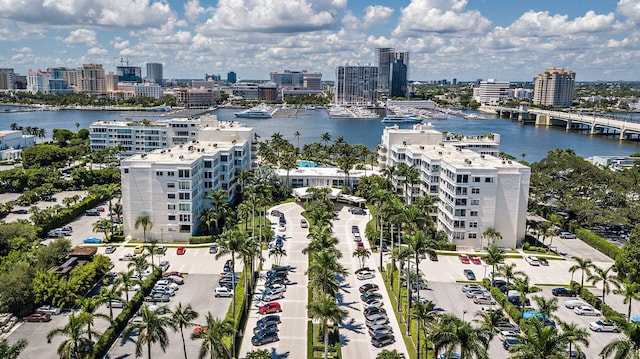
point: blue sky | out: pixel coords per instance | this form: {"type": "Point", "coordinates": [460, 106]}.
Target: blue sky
{"type": "Point", "coordinates": [508, 40]}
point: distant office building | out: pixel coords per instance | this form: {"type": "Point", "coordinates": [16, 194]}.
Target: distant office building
{"type": "Point", "coordinates": [21, 82]}
{"type": "Point", "coordinates": [170, 185]}
{"type": "Point", "coordinates": [38, 81]}
{"type": "Point", "coordinates": [246, 90]}
{"type": "Point", "coordinates": [64, 73]}
{"type": "Point", "coordinates": [129, 73]}
{"type": "Point", "coordinates": [231, 77]}
{"type": "Point", "coordinates": [268, 91]}
{"type": "Point", "coordinates": [91, 79]}
{"type": "Point", "coordinates": [197, 98]}
{"type": "Point", "coordinates": [356, 85]}
{"type": "Point", "coordinates": [554, 87]}
{"type": "Point", "coordinates": [312, 81]}
{"type": "Point", "coordinates": [205, 84]}
{"type": "Point", "coordinates": [454, 81]}
{"type": "Point", "coordinates": [148, 89]}
{"type": "Point", "coordinates": [59, 87]}
{"type": "Point", "coordinates": [523, 94]}
{"type": "Point", "coordinates": [492, 92]}
{"type": "Point", "coordinates": [393, 72]}
{"type": "Point", "coordinates": [154, 72]}
{"type": "Point", "coordinates": [7, 79]}
{"type": "Point", "coordinates": [111, 82]}
{"type": "Point", "coordinates": [297, 80]}
{"type": "Point", "coordinates": [473, 188]}
{"type": "Point", "coordinates": [212, 77]}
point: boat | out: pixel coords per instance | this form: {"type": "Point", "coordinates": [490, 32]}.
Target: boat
{"type": "Point", "coordinates": [401, 119]}
{"type": "Point", "coordinates": [255, 112]}
{"type": "Point", "coordinates": [339, 112]}
{"type": "Point", "coordinates": [309, 107]}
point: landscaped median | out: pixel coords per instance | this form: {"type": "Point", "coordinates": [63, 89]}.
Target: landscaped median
{"type": "Point", "coordinates": [409, 341]}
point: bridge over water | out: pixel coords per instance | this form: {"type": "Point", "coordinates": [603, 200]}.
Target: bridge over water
{"type": "Point", "coordinates": [625, 127]}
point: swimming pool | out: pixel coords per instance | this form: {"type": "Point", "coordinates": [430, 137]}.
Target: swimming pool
{"type": "Point", "coordinates": [303, 164]}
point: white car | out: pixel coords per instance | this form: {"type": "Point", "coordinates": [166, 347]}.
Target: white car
{"type": "Point", "coordinates": [604, 326]}
{"type": "Point", "coordinates": [223, 292]}
{"type": "Point", "coordinates": [574, 303]}
{"type": "Point", "coordinates": [533, 260]}
{"type": "Point", "coordinates": [587, 310]}
{"type": "Point", "coordinates": [282, 228]}
{"type": "Point", "coordinates": [505, 334]}
{"type": "Point", "coordinates": [365, 275]}
{"type": "Point", "coordinates": [168, 283]}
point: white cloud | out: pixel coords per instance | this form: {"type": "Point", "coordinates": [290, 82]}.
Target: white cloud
{"type": "Point", "coordinates": [376, 14]}
{"type": "Point", "coordinates": [629, 9]}
{"type": "Point", "coordinates": [192, 10]}
{"type": "Point", "coordinates": [272, 16]}
{"type": "Point", "coordinates": [97, 50]}
{"type": "Point", "coordinates": [542, 24]}
{"type": "Point", "coordinates": [118, 43]}
{"type": "Point", "coordinates": [81, 36]}
{"type": "Point", "coordinates": [113, 13]}
{"type": "Point", "coordinates": [439, 16]}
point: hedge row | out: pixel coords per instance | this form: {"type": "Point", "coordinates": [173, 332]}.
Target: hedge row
{"type": "Point", "coordinates": [607, 248]}
{"type": "Point", "coordinates": [69, 214]}
{"type": "Point", "coordinates": [596, 302]}
{"type": "Point", "coordinates": [511, 310]}
{"type": "Point", "coordinates": [199, 239]}
{"type": "Point", "coordinates": [107, 338]}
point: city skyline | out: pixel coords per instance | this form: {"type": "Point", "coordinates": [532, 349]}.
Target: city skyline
{"type": "Point", "coordinates": [501, 39]}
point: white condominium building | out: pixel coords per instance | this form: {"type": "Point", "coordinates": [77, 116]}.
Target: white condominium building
{"type": "Point", "coordinates": [492, 92]}
{"type": "Point", "coordinates": [475, 190]}
{"type": "Point", "coordinates": [169, 185]}
{"type": "Point", "coordinates": [554, 87]}
{"type": "Point", "coordinates": [140, 137]}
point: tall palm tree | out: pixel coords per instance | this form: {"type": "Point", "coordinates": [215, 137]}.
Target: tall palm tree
{"type": "Point", "coordinates": [490, 318]}
{"type": "Point", "coordinates": [402, 255]}
{"type": "Point", "coordinates": [138, 264]}
{"type": "Point", "coordinates": [125, 282]}
{"type": "Point", "coordinates": [583, 265]}
{"type": "Point", "coordinates": [109, 293]}
{"type": "Point", "coordinates": [214, 338]}
{"type": "Point", "coordinates": [362, 254]}
{"type": "Point", "coordinates": [322, 271]}
{"type": "Point", "coordinates": [152, 329]}
{"type": "Point", "coordinates": [183, 317]}
{"type": "Point", "coordinates": [629, 290]}
{"type": "Point", "coordinates": [12, 351]}
{"type": "Point", "coordinates": [539, 342]}
{"type": "Point", "coordinates": [509, 272]}
{"type": "Point", "coordinates": [522, 285]}
{"type": "Point", "coordinates": [418, 243]}
{"type": "Point", "coordinates": [326, 310]}
{"type": "Point", "coordinates": [277, 253]}
{"type": "Point", "coordinates": [492, 235]}
{"type": "Point", "coordinates": [423, 313]}
{"type": "Point", "coordinates": [88, 307]}
{"type": "Point", "coordinates": [546, 306]}
{"type": "Point", "coordinates": [608, 279]}
{"type": "Point", "coordinates": [77, 344]}
{"type": "Point", "coordinates": [151, 250]}
{"type": "Point", "coordinates": [494, 257]}
{"type": "Point", "coordinates": [624, 347]}
{"type": "Point", "coordinates": [575, 335]}
{"type": "Point", "coordinates": [452, 334]}
{"type": "Point", "coordinates": [145, 222]}
{"type": "Point", "coordinates": [389, 354]}
{"type": "Point", "coordinates": [325, 137]}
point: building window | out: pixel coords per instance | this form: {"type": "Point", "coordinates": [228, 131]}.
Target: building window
{"type": "Point", "coordinates": [171, 217]}
{"type": "Point", "coordinates": [475, 190]}
{"type": "Point", "coordinates": [473, 224]}
{"type": "Point", "coordinates": [171, 206]}
{"type": "Point", "coordinates": [488, 180]}
{"type": "Point", "coordinates": [171, 173]}
{"type": "Point", "coordinates": [476, 179]}
{"type": "Point", "coordinates": [475, 202]}
{"type": "Point", "coordinates": [462, 179]}
{"type": "Point", "coordinates": [461, 201]}
{"type": "Point", "coordinates": [159, 173]}
{"type": "Point", "coordinates": [171, 195]}
{"type": "Point", "coordinates": [461, 212]}
{"type": "Point", "coordinates": [185, 228]}
{"type": "Point", "coordinates": [185, 218]}
{"type": "Point", "coordinates": [207, 164]}
{"type": "Point", "coordinates": [184, 196]}
{"type": "Point", "coordinates": [459, 224]}
{"type": "Point", "coordinates": [126, 170]}
{"type": "Point", "coordinates": [473, 213]}
{"type": "Point", "coordinates": [473, 235]}
{"type": "Point", "coordinates": [186, 207]}
{"type": "Point", "coordinates": [184, 185]}
{"type": "Point", "coordinates": [171, 184]}
{"type": "Point", "coordinates": [184, 173]}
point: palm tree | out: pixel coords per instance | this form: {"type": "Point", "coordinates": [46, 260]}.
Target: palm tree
{"type": "Point", "coordinates": [546, 306]}
{"type": "Point", "coordinates": [575, 335]}
{"type": "Point", "coordinates": [325, 137]}
{"type": "Point", "coordinates": [297, 136]}
{"type": "Point", "coordinates": [490, 318]}
{"type": "Point", "coordinates": [278, 253]}
{"type": "Point", "coordinates": [630, 290]}
{"type": "Point", "coordinates": [143, 221]}
{"type": "Point", "coordinates": [624, 347]}
{"type": "Point", "coordinates": [522, 285]}
{"type": "Point", "coordinates": [389, 354]}
{"type": "Point", "coordinates": [322, 271]}
{"type": "Point", "coordinates": [362, 254]}
{"type": "Point", "coordinates": [125, 281]}
{"type": "Point", "coordinates": [258, 354]}
{"type": "Point", "coordinates": [539, 342]}
{"type": "Point", "coordinates": [77, 343]}
{"type": "Point", "coordinates": [491, 234]}
{"type": "Point", "coordinates": [215, 338]}
{"type": "Point", "coordinates": [418, 243]}
{"type": "Point", "coordinates": [451, 333]}
{"type": "Point", "coordinates": [183, 317]}
{"type": "Point", "coordinates": [138, 264]}
{"type": "Point", "coordinates": [423, 313]}
{"type": "Point", "coordinates": [402, 255]}
{"type": "Point", "coordinates": [12, 351]}
{"type": "Point", "coordinates": [109, 293]}
{"type": "Point", "coordinates": [88, 306]}
{"type": "Point", "coordinates": [325, 309]}
{"type": "Point", "coordinates": [494, 257]}
{"type": "Point", "coordinates": [151, 250]}
{"type": "Point", "coordinates": [584, 265]}
{"type": "Point", "coordinates": [509, 272]}
{"type": "Point", "coordinates": [602, 275]}
{"type": "Point", "coordinates": [151, 330]}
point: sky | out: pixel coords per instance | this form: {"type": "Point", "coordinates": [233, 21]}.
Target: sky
{"type": "Point", "coordinates": [506, 40]}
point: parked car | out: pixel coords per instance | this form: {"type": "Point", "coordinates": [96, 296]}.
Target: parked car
{"type": "Point", "coordinates": [114, 303]}
{"type": "Point", "coordinates": [48, 309]}
{"type": "Point", "coordinates": [360, 245]}
{"type": "Point", "coordinates": [157, 297]}
{"type": "Point", "coordinates": [574, 303]}
{"type": "Point", "coordinates": [181, 250]}
{"type": "Point", "coordinates": [173, 273]}
{"type": "Point", "coordinates": [99, 209]}
{"type": "Point", "coordinates": [376, 319]}
{"type": "Point", "coordinates": [567, 235]}
{"type": "Point", "coordinates": [128, 257]}
{"type": "Point", "coordinates": [110, 249]}
{"type": "Point", "coordinates": [475, 259]}
{"type": "Point", "coordinates": [92, 240]}
{"type": "Point", "coordinates": [138, 250]}
{"type": "Point", "coordinates": [175, 279]}
{"type": "Point", "coordinates": [473, 287]}
{"type": "Point", "coordinates": [355, 229]}
{"type": "Point", "coordinates": [265, 337]}
{"type": "Point", "coordinates": [365, 275]}
{"type": "Point", "coordinates": [463, 258]}
{"type": "Point", "coordinates": [604, 326]}
{"type": "Point", "coordinates": [282, 227]}
{"type": "Point", "coordinates": [382, 339]}
{"type": "Point", "coordinates": [227, 266]}
{"type": "Point", "coordinates": [506, 326]}
{"type": "Point", "coordinates": [271, 307]}
{"type": "Point", "coordinates": [92, 212]}
{"type": "Point", "coordinates": [369, 295]}
{"type": "Point", "coordinates": [167, 283]}
{"type": "Point", "coordinates": [509, 342]}
{"type": "Point", "coordinates": [269, 318]}
{"type": "Point", "coordinates": [213, 249]}
{"type": "Point", "coordinates": [37, 317]}
{"type": "Point", "coordinates": [368, 311]}
{"type": "Point", "coordinates": [484, 300]}
{"type": "Point", "coordinates": [164, 265]}
{"type": "Point", "coordinates": [21, 211]}
{"type": "Point", "coordinates": [265, 326]}
{"type": "Point", "coordinates": [276, 213]}
{"type": "Point", "coordinates": [563, 292]}
{"type": "Point", "coordinates": [533, 261]}
{"type": "Point", "coordinates": [368, 287]}
{"type": "Point", "coordinates": [269, 297]}
{"type": "Point", "coordinates": [477, 293]}
{"type": "Point", "coordinates": [587, 310]}
{"type": "Point", "coordinates": [304, 223]}
{"type": "Point", "coordinates": [380, 328]}
{"type": "Point", "coordinates": [433, 257]}
{"type": "Point", "coordinates": [373, 302]}
{"type": "Point", "coordinates": [469, 274]}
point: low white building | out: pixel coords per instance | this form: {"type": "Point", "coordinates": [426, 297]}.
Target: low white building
{"type": "Point", "coordinates": [169, 185]}
{"type": "Point", "coordinates": [474, 189]}
{"type": "Point", "coordinates": [12, 143]}
{"type": "Point", "coordinates": [322, 177]}
{"type": "Point", "coordinates": [140, 137]}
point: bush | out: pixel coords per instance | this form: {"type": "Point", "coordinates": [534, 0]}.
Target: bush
{"type": "Point", "coordinates": [607, 248]}
{"type": "Point", "coordinates": [445, 246]}
{"type": "Point", "coordinates": [199, 239]}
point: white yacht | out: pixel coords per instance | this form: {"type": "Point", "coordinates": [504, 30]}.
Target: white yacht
{"type": "Point", "coordinates": [255, 112]}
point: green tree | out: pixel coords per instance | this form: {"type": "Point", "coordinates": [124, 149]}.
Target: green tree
{"type": "Point", "coordinates": [362, 254]}
{"type": "Point", "coordinates": [88, 307]}
{"type": "Point", "coordinates": [423, 313]}
{"type": "Point", "coordinates": [539, 342]}
{"type": "Point", "coordinates": [584, 266]}
{"type": "Point", "coordinates": [546, 306]}
{"type": "Point", "coordinates": [575, 335]}
{"type": "Point", "coordinates": [214, 338]}
{"type": "Point", "coordinates": [624, 347]}
{"type": "Point", "coordinates": [492, 235]}
{"type": "Point", "coordinates": [109, 293]}
{"type": "Point", "coordinates": [183, 317]}
{"type": "Point", "coordinates": [145, 222]}
{"type": "Point", "coordinates": [495, 256]}
{"type": "Point", "coordinates": [322, 271]}
{"type": "Point", "coordinates": [258, 354]}
{"type": "Point", "coordinates": [389, 354]}
{"type": "Point", "coordinates": [608, 279]}
{"type": "Point", "coordinates": [452, 334]}
{"type": "Point", "coordinates": [77, 345]}
{"type": "Point", "coordinates": [630, 291]}
{"type": "Point", "coordinates": [325, 309]}
{"type": "Point", "coordinates": [277, 253]}
{"type": "Point", "coordinates": [12, 351]}
{"type": "Point", "coordinates": [152, 329]}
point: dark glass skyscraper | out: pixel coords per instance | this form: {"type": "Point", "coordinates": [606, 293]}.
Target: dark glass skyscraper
{"type": "Point", "coordinates": [393, 72]}
{"type": "Point", "coordinates": [231, 77]}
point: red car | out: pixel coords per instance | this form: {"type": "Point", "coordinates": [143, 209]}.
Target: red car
{"type": "Point", "coordinates": [100, 209]}
{"type": "Point", "coordinates": [37, 317]}
{"type": "Point", "coordinates": [463, 258]}
{"type": "Point", "coordinates": [475, 259]}
{"type": "Point", "coordinates": [271, 307]}
{"type": "Point", "coordinates": [169, 274]}
{"type": "Point", "coordinates": [181, 250]}
{"type": "Point", "coordinates": [360, 245]}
